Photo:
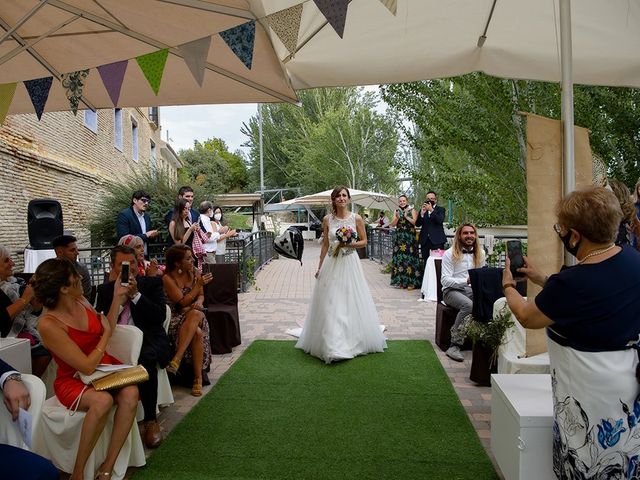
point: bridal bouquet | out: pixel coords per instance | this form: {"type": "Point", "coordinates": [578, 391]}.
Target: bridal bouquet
{"type": "Point", "coordinates": [345, 235]}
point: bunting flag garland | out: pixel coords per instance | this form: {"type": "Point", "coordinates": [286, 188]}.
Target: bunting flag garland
{"type": "Point", "coordinates": [392, 5]}
{"type": "Point", "coordinates": [240, 40]}
{"type": "Point", "coordinates": [335, 11]}
{"type": "Point", "coordinates": [38, 90]}
{"type": "Point", "coordinates": [112, 75]}
{"type": "Point", "coordinates": [6, 97]}
{"type": "Point", "coordinates": [286, 25]}
{"type": "Point", "coordinates": [73, 83]}
{"type": "Point", "coordinates": [152, 65]}
{"type": "Point", "coordinates": [195, 56]}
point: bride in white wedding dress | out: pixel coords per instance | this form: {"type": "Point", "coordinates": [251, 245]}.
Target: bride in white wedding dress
{"type": "Point", "coordinates": [342, 322]}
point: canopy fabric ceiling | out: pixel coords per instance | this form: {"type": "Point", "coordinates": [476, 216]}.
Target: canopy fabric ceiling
{"type": "Point", "coordinates": [435, 39]}
{"type": "Point", "coordinates": [424, 39]}
{"type": "Point", "coordinates": [53, 37]}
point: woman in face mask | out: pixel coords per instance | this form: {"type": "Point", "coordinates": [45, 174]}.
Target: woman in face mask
{"type": "Point", "coordinates": [592, 315]}
{"type": "Point", "coordinates": [223, 231]}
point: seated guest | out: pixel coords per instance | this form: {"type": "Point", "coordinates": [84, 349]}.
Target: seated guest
{"type": "Point", "coordinates": [19, 313]}
{"type": "Point", "coordinates": [189, 329]}
{"type": "Point", "coordinates": [145, 267]}
{"type": "Point", "coordinates": [65, 246]}
{"type": "Point", "coordinates": [464, 255]}
{"type": "Point", "coordinates": [16, 462]}
{"type": "Point", "coordinates": [146, 308]}
{"type": "Point", "coordinates": [77, 337]}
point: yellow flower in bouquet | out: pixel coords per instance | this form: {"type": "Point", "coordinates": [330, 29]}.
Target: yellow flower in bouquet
{"type": "Point", "coordinates": [345, 236]}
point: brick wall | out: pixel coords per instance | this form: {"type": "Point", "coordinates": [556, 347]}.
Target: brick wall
{"type": "Point", "coordinates": [59, 157]}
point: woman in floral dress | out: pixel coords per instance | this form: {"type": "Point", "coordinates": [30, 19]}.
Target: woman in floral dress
{"type": "Point", "coordinates": [405, 271]}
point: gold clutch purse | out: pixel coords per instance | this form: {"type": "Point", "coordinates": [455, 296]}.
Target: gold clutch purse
{"type": "Point", "coordinates": [121, 378]}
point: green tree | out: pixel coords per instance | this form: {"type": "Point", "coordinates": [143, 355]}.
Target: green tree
{"type": "Point", "coordinates": [471, 140]}
{"type": "Point", "coordinates": [212, 167]}
{"type": "Point", "coordinates": [334, 137]}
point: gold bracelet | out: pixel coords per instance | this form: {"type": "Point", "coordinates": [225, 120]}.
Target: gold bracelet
{"type": "Point", "coordinates": [99, 350]}
{"type": "Point", "coordinates": [507, 285]}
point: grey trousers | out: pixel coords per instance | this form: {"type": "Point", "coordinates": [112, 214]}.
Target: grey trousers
{"type": "Point", "coordinates": [463, 301]}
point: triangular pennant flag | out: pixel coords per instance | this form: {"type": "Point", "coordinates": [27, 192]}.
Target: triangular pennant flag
{"type": "Point", "coordinates": [38, 90]}
{"type": "Point", "coordinates": [6, 97]}
{"type": "Point", "coordinates": [73, 83]}
{"type": "Point", "coordinates": [392, 5]}
{"type": "Point", "coordinates": [195, 55]}
{"type": "Point", "coordinates": [240, 40]}
{"type": "Point", "coordinates": [112, 75]}
{"type": "Point", "coordinates": [335, 11]}
{"type": "Point", "coordinates": [286, 24]}
{"type": "Point", "coordinates": [152, 65]}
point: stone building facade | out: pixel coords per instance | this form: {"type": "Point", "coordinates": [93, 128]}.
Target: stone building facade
{"type": "Point", "coordinates": [69, 158]}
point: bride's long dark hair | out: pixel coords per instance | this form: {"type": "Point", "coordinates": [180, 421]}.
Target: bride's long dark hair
{"type": "Point", "coordinates": [334, 195]}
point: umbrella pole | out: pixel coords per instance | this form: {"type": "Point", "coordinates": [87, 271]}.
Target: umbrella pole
{"type": "Point", "coordinates": [568, 151]}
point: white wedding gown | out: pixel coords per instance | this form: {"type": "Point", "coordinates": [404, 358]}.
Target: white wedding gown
{"type": "Point", "coordinates": [342, 322]}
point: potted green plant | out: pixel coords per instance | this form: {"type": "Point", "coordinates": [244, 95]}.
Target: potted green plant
{"type": "Point", "coordinates": [487, 338]}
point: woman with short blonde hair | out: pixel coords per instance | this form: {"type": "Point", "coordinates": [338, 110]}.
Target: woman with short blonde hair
{"type": "Point", "coordinates": [591, 312]}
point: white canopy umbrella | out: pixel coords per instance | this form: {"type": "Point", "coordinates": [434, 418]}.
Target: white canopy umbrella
{"type": "Point", "coordinates": [373, 200]}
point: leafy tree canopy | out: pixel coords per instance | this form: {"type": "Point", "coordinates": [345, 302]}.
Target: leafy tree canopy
{"type": "Point", "coordinates": [212, 167]}
{"type": "Point", "coordinates": [335, 137]}
{"type": "Point", "coordinates": [471, 144]}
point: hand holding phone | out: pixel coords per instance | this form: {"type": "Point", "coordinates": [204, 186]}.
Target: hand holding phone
{"type": "Point", "coordinates": [124, 273]}
{"type": "Point", "coordinates": [514, 252]}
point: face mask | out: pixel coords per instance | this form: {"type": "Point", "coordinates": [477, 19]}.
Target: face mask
{"type": "Point", "coordinates": [565, 241]}
{"type": "Point", "coordinates": [217, 217]}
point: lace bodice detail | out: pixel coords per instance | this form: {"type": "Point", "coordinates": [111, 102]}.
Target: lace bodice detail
{"type": "Point", "coordinates": [334, 224]}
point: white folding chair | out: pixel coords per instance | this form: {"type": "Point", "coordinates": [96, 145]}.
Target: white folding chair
{"type": "Point", "coordinates": [9, 431]}
{"type": "Point", "coordinates": [58, 434]}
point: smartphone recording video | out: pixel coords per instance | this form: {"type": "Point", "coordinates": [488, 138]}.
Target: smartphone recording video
{"type": "Point", "coordinates": [514, 252]}
{"type": "Point", "coordinates": [205, 268]}
{"type": "Point", "coordinates": [124, 273]}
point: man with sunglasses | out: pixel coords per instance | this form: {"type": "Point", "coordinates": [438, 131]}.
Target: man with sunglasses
{"type": "Point", "coordinates": [135, 220]}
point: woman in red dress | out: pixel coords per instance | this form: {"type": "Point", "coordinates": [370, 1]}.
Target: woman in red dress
{"type": "Point", "coordinates": [77, 338]}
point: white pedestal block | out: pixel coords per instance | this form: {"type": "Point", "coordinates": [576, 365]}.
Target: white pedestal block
{"type": "Point", "coordinates": [521, 426]}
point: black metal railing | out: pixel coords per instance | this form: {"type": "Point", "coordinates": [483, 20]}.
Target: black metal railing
{"type": "Point", "coordinates": [251, 252]}
{"type": "Point", "coordinates": [380, 246]}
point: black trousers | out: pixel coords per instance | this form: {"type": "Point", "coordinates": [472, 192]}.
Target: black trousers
{"type": "Point", "coordinates": [149, 389]}
{"type": "Point", "coordinates": [425, 247]}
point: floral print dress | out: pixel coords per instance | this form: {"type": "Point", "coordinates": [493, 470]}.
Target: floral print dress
{"type": "Point", "coordinates": [405, 263]}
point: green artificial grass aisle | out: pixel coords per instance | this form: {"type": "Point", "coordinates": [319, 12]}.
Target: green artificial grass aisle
{"type": "Point", "coordinates": [281, 414]}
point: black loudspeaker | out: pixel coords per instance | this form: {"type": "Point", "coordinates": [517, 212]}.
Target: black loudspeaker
{"type": "Point", "coordinates": [44, 222]}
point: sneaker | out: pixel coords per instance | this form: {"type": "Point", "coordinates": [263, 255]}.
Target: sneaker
{"type": "Point", "coordinates": [454, 353]}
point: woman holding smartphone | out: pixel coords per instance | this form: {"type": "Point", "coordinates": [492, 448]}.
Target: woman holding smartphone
{"type": "Point", "coordinates": [189, 329]}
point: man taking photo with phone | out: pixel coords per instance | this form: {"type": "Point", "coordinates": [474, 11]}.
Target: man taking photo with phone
{"type": "Point", "coordinates": [147, 310]}
{"type": "Point", "coordinates": [430, 220]}
{"type": "Point", "coordinates": [464, 255]}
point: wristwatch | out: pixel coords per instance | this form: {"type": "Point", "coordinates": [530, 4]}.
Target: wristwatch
{"type": "Point", "coordinates": [14, 376]}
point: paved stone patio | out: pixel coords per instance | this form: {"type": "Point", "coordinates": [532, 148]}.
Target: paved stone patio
{"type": "Point", "coordinates": [281, 297]}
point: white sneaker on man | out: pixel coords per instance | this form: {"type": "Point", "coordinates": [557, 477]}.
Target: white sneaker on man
{"type": "Point", "coordinates": [454, 353]}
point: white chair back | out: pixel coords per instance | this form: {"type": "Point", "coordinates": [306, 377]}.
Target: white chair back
{"type": "Point", "coordinates": [125, 344]}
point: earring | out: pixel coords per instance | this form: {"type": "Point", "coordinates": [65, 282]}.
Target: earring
{"type": "Point", "coordinates": [179, 271]}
